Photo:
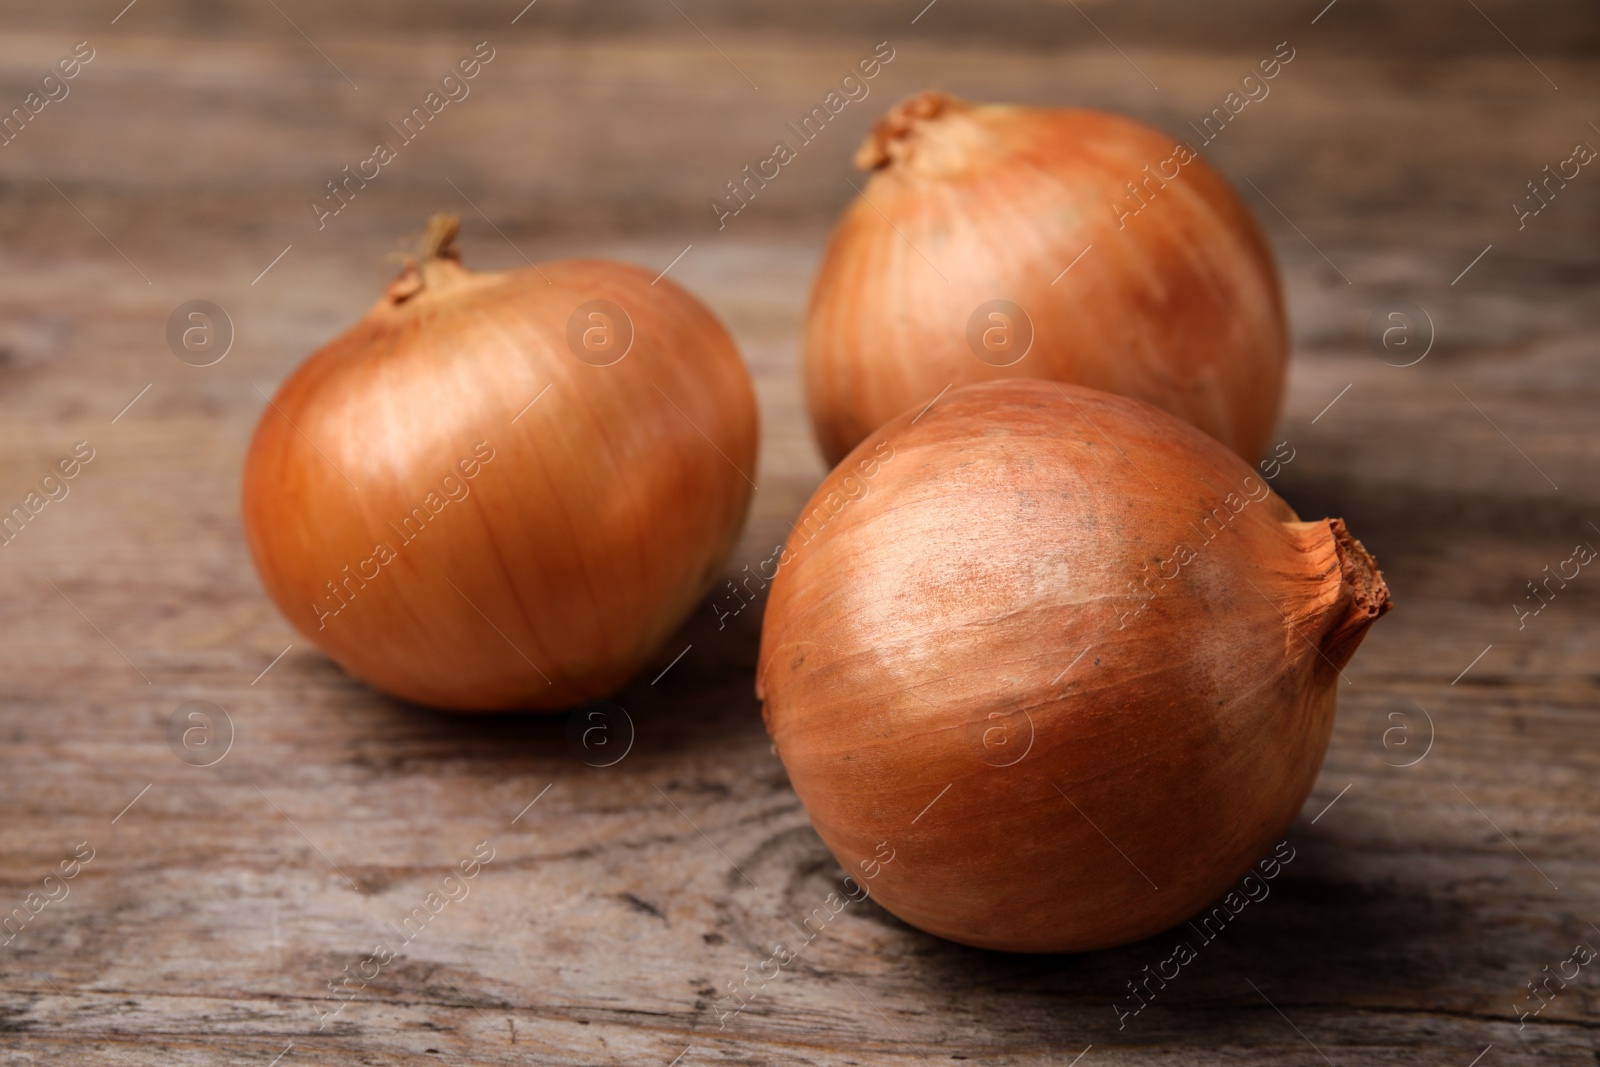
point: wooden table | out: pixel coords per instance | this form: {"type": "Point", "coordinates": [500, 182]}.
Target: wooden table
{"type": "Point", "coordinates": [222, 900]}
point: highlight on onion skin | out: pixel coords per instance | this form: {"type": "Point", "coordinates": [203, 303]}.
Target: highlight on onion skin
{"type": "Point", "coordinates": [1068, 656]}
{"type": "Point", "coordinates": [977, 211]}
{"type": "Point", "coordinates": [451, 503]}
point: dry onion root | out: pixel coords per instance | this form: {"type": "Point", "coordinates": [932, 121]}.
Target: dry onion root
{"type": "Point", "coordinates": [1068, 655]}
{"type": "Point", "coordinates": [504, 490]}
{"type": "Point", "coordinates": [953, 266]}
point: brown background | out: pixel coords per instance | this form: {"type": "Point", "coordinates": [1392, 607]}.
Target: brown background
{"type": "Point", "coordinates": [219, 905]}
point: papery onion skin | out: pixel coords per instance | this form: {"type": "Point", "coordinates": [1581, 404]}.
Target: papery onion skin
{"type": "Point", "coordinates": [956, 663]}
{"type": "Point", "coordinates": [1177, 304]}
{"type": "Point", "coordinates": [600, 521]}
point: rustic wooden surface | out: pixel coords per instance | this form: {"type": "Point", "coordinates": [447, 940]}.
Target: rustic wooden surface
{"type": "Point", "coordinates": [218, 907]}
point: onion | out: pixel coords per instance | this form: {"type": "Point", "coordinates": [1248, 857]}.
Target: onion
{"type": "Point", "coordinates": [1067, 656]}
{"type": "Point", "coordinates": [425, 514]}
{"type": "Point", "coordinates": [959, 263]}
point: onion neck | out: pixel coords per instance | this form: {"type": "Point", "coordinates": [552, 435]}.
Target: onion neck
{"type": "Point", "coordinates": [931, 134]}
{"type": "Point", "coordinates": [1350, 593]}
{"type": "Point", "coordinates": [434, 268]}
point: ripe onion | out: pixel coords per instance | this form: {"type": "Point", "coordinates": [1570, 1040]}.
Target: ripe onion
{"type": "Point", "coordinates": [426, 514]}
{"type": "Point", "coordinates": [960, 263]}
{"type": "Point", "coordinates": [1066, 655]}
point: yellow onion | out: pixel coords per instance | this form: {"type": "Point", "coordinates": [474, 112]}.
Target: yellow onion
{"type": "Point", "coordinates": [960, 262]}
{"type": "Point", "coordinates": [1067, 657]}
{"type": "Point", "coordinates": [504, 490]}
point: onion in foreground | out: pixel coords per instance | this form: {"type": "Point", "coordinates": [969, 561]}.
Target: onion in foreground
{"type": "Point", "coordinates": [504, 490]}
{"type": "Point", "coordinates": [1059, 243]}
{"type": "Point", "coordinates": [1071, 659]}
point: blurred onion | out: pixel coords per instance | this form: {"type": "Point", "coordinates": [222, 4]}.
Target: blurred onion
{"type": "Point", "coordinates": [953, 267]}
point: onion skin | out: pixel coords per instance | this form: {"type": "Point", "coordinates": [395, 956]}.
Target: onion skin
{"type": "Point", "coordinates": [581, 545]}
{"type": "Point", "coordinates": [1177, 305]}
{"type": "Point", "coordinates": [936, 619]}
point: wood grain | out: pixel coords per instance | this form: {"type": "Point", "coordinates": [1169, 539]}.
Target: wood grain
{"type": "Point", "coordinates": [618, 907]}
